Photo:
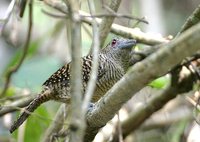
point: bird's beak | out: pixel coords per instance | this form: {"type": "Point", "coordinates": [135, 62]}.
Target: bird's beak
{"type": "Point", "coordinates": [127, 43]}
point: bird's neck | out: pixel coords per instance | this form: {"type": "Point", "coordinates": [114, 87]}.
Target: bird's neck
{"type": "Point", "coordinates": [120, 60]}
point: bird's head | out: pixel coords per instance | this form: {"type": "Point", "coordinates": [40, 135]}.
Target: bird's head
{"type": "Point", "coordinates": [119, 51]}
{"type": "Point", "coordinates": [120, 46]}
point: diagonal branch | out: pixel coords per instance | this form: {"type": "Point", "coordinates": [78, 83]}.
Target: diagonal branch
{"type": "Point", "coordinates": [178, 86]}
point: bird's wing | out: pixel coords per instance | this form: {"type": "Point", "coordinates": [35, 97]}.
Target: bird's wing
{"type": "Point", "coordinates": [60, 78]}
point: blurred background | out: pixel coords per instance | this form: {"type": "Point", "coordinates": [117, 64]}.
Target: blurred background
{"type": "Point", "coordinates": [48, 51]}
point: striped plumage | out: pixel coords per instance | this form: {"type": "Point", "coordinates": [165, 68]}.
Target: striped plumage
{"type": "Point", "coordinates": [113, 63]}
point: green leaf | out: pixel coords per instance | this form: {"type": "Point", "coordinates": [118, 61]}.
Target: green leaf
{"type": "Point", "coordinates": [160, 82]}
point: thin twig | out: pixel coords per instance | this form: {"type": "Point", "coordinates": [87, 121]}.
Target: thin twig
{"type": "Point", "coordinates": [123, 31]}
{"type": "Point", "coordinates": [118, 15]}
{"type": "Point", "coordinates": [15, 68]}
{"type": "Point", "coordinates": [16, 105]}
{"type": "Point", "coordinates": [124, 15]}
{"type": "Point", "coordinates": [95, 48]}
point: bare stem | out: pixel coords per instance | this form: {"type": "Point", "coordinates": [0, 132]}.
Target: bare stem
{"type": "Point", "coordinates": [95, 47]}
{"type": "Point", "coordinates": [77, 124]}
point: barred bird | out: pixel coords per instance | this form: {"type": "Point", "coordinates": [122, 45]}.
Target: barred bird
{"type": "Point", "coordinates": [113, 60]}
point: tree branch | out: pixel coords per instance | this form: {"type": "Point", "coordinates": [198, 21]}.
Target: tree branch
{"type": "Point", "coordinates": [77, 122]}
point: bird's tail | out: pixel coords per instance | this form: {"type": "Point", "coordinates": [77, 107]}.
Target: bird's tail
{"type": "Point", "coordinates": [41, 98]}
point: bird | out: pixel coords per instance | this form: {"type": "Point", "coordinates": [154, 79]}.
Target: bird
{"type": "Point", "coordinates": [113, 62]}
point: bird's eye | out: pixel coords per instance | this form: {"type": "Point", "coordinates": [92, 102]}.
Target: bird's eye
{"type": "Point", "coordinates": [114, 41]}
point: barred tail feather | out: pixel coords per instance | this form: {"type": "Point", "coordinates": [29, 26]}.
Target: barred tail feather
{"type": "Point", "coordinates": [44, 97]}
